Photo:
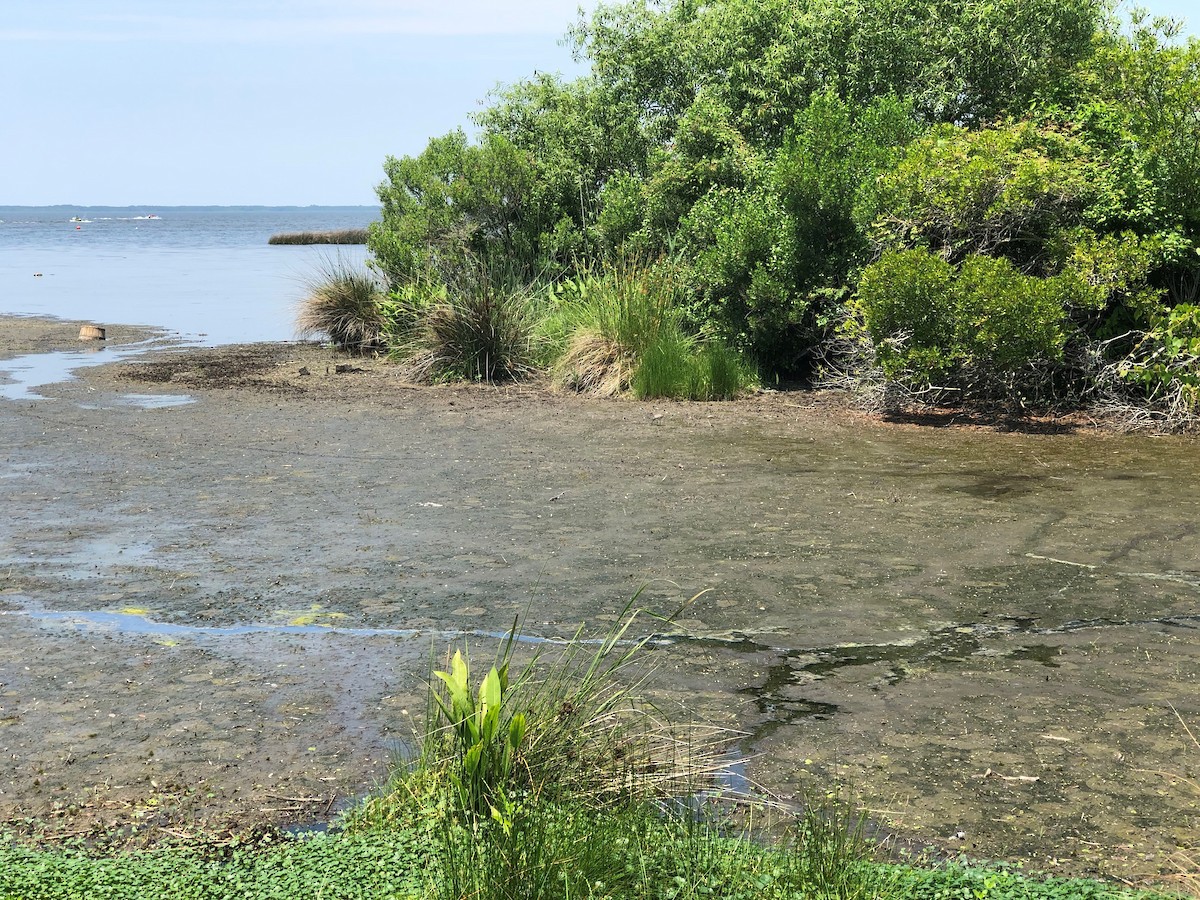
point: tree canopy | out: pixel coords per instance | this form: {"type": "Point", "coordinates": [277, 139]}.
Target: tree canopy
{"type": "Point", "coordinates": [805, 163]}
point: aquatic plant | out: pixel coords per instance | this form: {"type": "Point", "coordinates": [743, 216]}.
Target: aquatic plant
{"type": "Point", "coordinates": [342, 301]}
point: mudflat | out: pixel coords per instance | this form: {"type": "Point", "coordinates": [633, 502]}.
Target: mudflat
{"type": "Point", "coordinates": [218, 608]}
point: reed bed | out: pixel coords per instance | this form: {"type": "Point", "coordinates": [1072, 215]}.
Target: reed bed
{"type": "Point", "coordinates": [341, 236]}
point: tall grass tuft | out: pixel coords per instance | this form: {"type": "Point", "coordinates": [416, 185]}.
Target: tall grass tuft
{"type": "Point", "coordinates": [477, 326]}
{"type": "Point", "coordinates": [685, 370]}
{"type": "Point", "coordinates": [343, 302]}
{"type": "Point", "coordinates": [831, 853]}
{"type": "Point", "coordinates": [603, 322]}
{"type": "Point", "coordinates": [620, 328]}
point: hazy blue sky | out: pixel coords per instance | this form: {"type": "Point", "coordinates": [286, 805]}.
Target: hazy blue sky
{"type": "Point", "coordinates": [254, 101]}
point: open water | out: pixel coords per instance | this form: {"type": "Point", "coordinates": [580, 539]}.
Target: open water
{"type": "Point", "coordinates": [205, 272]}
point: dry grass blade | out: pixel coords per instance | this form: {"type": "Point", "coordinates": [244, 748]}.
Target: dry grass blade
{"type": "Point", "coordinates": [594, 364]}
{"type": "Point", "coordinates": [1186, 862]}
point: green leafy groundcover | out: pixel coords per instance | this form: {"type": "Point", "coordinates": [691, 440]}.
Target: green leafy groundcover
{"type": "Point", "coordinates": [394, 864]}
{"type": "Point", "coordinates": [376, 865]}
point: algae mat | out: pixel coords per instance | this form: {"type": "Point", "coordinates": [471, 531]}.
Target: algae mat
{"type": "Point", "coordinates": [221, 612]}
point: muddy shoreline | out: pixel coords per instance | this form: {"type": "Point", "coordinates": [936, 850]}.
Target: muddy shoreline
{"type": "Point", "coordinates": [218, 614]}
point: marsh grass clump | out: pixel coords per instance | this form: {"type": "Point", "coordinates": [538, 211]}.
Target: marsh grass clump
{"type": "Point", "coordinates": [343, 302]}
{"type": "Point", "coordinates": [688, 370]}
{"type": "Point", "coordinates": [605, 322]}
{"type": "Point", "coordinates": [475, 326]}
{"type": "Point", "coordinates": [342, 236]}
{"type": "Point", "coordinates": [620, 328]}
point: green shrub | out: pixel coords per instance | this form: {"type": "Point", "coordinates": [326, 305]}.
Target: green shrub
{"type": "Point", "coordinates": [1166, 363]}
{"type": "Point", "coordinates": [344, 303]}
{"type": "Point", "coordinates": [1006, 320]}
{"type": "Point", "coordinates": [1004, 191]}
{"type": "Point", "coordinates": [984, 321]}
{"type": "Point", "coordinates": [906, 305]}
{"type": "Point", "coordinates": [767, 253]}
{"type": "Point", "coordinates": [404, 307]}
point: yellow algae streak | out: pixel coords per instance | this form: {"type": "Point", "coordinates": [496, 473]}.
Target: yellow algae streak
{"type": "Point", "coordinates": [133, 611]}
{"type": "Point", "coordinates": [314, 615]}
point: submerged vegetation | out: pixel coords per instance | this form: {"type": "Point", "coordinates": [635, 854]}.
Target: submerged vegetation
{"type": "Point", "coordinates": [969, 203]}
{"type": "Point", "coordinates": [552, 781]}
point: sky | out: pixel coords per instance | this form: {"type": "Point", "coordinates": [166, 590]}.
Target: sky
{"type": "Point", "coordinates": [273, 102]}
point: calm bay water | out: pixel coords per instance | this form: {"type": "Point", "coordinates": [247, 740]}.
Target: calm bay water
{"type": "Point", "coordinates": [205, 272]}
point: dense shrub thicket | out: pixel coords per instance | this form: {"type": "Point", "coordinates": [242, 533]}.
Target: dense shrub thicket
{"type": "Point", "coordinates": [990, 199]}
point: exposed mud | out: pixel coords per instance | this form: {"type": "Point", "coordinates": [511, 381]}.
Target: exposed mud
{"type": "Point", "coordinates": [220, 612]}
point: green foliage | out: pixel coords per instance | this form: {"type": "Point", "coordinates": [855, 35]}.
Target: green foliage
{"type": "Point", "coordinates": [1142, 90]}
{"type": "Point", "coordinates": [1007, 320]}
{"type": "Point", "coordinates": [453, 203]}
{"type": "Point", "coordinates": [768, 255]}
{"type": "Point", "coordinates": [1004, 191]}
{"type": "Point", "coordinates": [1040, 248]}
{"type": "Point", "coordinates": [632, 853]}
{"type": "Point", "coordinates": [404, 307]}
{"type": "Point", "coordinates": [578, 137]}
{"type": "Point", "coordinates": [335, 867]}
{"type": "Point", "coordinates": [1166, 363]}
{"type": "Point", "coordinates": [525, 194]}
{"type": "Point", "coordinates": [906, 305]}
{"type": "Point", "coordinates": [932, 322]}
{"type": "Point", "coordinates": [776, 150]}
{"type": "Point", "coordinates": [601, 324]}
{"type": "Point", "coordinates": [958, 881]}
{"type": "Point", "coordinates": [958, 61]}
{"type": "Point", "coordinates": [485, 750]}
{"type": "Point", "coordinates": [538, 823]}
